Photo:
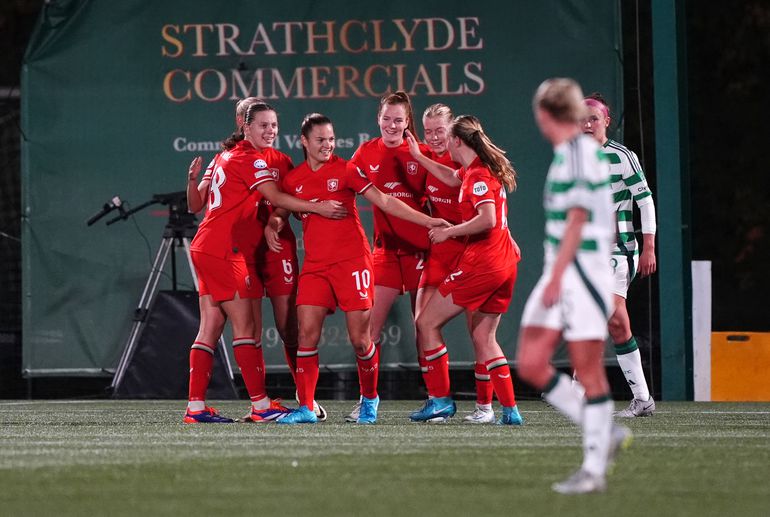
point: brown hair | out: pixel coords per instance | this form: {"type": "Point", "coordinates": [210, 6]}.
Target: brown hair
{"type": "Point", "coordinates": [243, 105]}
{"type": "Point", "coordinates": [468, 129]}
{"type": "Point", "coordinates": [399, 97]}
{"type": "Point", "coordinates": [251, 111]}
{"type": "Point", "coordinates": [309, 122]}
{"type": "Point", "coordinates": [562, 98]}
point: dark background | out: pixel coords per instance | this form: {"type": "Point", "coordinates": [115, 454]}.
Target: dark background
{"type": "Point", "coordinates": [727, 66]}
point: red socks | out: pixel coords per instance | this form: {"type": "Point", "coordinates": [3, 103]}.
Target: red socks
{"type": "Point", "coordinates": [436, 374]}
{"type": "Point", "coordinates": [500, 376]}
{"type": "Point", "coordinates": [368, 371]}
{"type": "Point", "coordinates": [483, 384]}
{"type": "Point", "coordinates": [291, 360]}
{"type": "Point", "coordinates": [201, 364]}
{"type": "Point", "coordinates": [307, 375]}
{"type": "Point", "coordinates": [248, 355]}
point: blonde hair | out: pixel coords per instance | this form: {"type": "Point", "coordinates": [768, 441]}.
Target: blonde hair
{"type": "Point", "coordinates": [438, 110]}
{"type": "Point", "coordinates": [562, 98]}
{"type": "Point", "coordinates": [468, 129]}
{"type": "Point", "coordinates": [243, 105]}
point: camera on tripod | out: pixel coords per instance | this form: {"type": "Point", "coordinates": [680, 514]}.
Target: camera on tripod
{"type": "Point", "coordinates": [178, 233]}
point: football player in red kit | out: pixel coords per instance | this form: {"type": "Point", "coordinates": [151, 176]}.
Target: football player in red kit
{"type": "Point", "coordinates": [443, 257]}
{"type": "Point", "coordinates": [399, 246]}
{"type": "Point", "coordinates": [225, 285]}
{"type": "Point", "coordinates": [481, 284]}
{"type": "Point", "coordinates": [337, 270]}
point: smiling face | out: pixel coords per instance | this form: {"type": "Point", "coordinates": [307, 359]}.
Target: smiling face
{"type": "Point", "coordinates": [436, 131]}
{"type": "Point", "coordinates": [596, 124]}
{"type": "Point", "coordinates": [263, 129]}
{"type": "Point", "coordinates": [393, 120]}
{"type": "Point", "coordinates": [319, 144]}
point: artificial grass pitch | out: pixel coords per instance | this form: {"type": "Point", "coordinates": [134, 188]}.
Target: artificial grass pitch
{"type": "Point", "coordinates": [137, 458]}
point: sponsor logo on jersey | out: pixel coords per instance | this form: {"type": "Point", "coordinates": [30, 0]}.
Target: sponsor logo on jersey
{"type": "Point", "coordinates": [392, 184]}
{"type": "Point", "coordinates": [411, 168]}
{"type": "Point", "coordinates": [264, 173]}
{"type": "Point", "coordinates": [275, 173]}
{"type": "Point", "coordinates": [298, 189]}
{"type": "Point", "coordinates": [432, 188]}
{"type": "Point", "coordinates": [374, 168]}
{"type": "Point", "coordinates": [401, 194]}
{"type": "Point", "coordinates": [260, 164]}
{"type": "Point", "coordinates": [441, 200]}
{"type": "Point", "coordinates": [332, 184]}
{"type": "Point", "coordinates": [480, 188]}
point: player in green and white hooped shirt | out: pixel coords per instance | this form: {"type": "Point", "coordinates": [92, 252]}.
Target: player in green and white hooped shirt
{"type": "Point", "coordinates": [573, 298]}
{"type": "Point", "coordinates": [628, 187]}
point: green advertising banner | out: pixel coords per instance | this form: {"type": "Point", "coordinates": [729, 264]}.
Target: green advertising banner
{"type": "Point", "coordinates": [119, 97]}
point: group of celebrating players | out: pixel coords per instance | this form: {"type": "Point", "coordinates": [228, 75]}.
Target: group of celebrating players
{"type": "Point", "coordinates": [440, 234]}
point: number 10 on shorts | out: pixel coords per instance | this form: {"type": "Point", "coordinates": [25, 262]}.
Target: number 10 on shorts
{"type": "Point", "coordinates": [363, 280]}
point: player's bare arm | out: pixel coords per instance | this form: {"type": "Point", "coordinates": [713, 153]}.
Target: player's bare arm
{"type": "Point", "coordinates": [398, 208]}
{"type": "Point", "coordinates": [329, 209]}
{"type": "Point", "coordinates": [484, 220]}
{"type": "Point", "coordinates": [196, 192]}
{"type": "Point", "coordinates": [445, 174]}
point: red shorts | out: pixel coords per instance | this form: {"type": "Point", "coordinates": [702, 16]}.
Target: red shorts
{"type": "Point", "coordinates": [400, 272]}
{"type": "Point", "coordinates": [347, 284]}
{"type": "Point", "coordinates": [442, 260]}
{"type": "Point", "coordinates": [278, 275]}
{"type": "Point", "coordinates": [257, 289]}
{"type": "Point", "coordinates": [222, 278]}
{"type": "Point", "coordinates": [486, 291]}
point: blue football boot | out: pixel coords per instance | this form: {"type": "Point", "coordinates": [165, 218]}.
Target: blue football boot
{"type": "Point", "coordinates": [301, 415]}
{"type": "Point", "coordinates": [511, 416]}
{"type": "Point", "coordinates": [435, 410]}
{"type": "Point", "coordinates": [368, 412]}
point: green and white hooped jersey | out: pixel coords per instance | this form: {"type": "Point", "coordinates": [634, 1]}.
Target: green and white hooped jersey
{"type": "Point", "coordinates": [579, 176]}
{"type": "Point", "coordinates": [628, 186]}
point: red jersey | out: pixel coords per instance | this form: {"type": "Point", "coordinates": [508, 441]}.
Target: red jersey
{"type": "Point", "coordinates": [328, 241]}
{"type": "Point", "coordinates": [442, 197]}
{"type": "Point", "coordinates": [228, 228]}
{"type": "Point", "coordinates": [279, 165]}
{"type": "Point", "coordinates": [396, 173]}
{"type": "Point", "coordinates": [249, 231]}
{"type": "Point", "coordinates": [495, 248]}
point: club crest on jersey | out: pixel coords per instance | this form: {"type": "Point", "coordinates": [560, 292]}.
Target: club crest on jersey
{"type": "Point", "coordinates": [332, 184]}
{"type": "Point", "coordinates": [374, 168]}
{"type": "Point", "coordinates": [260, 164]}
{"type": "Point", "coordinates": [411, 168]}
{"type": "Point", "coordinates": [480, 188]}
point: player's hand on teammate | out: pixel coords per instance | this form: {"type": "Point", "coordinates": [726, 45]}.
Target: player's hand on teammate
{"type": "Point", "coordinates": [273, 227]}
{"type": "Point", "coordinates": [647, 263]}
{"type": "Point", "coordinates": [332, 209]}
{"type": "Point", "coordinates": [439, 234]}
{"type": "Point", "coordinates": [414, 146]}
{"type": "Point", "coordinates": [195, 168]}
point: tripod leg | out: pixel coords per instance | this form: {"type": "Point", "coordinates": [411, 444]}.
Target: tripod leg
{"type": "Point", "coordinates": [148, 294]}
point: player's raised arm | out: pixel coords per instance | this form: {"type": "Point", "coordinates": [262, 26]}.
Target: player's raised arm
{"type": "Point", "coordinates": [400, 209]}
{"type": "Point", "coordinates": [442, 172]}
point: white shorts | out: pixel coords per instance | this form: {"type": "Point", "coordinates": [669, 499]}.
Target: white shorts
{"type": "Point", "coordinates": [583, 308]}
{"type": "Point", "coordinates": [624, 270]}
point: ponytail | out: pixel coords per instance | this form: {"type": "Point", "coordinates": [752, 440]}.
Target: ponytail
{"type": "Point", "coordinates": [468, 129]}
